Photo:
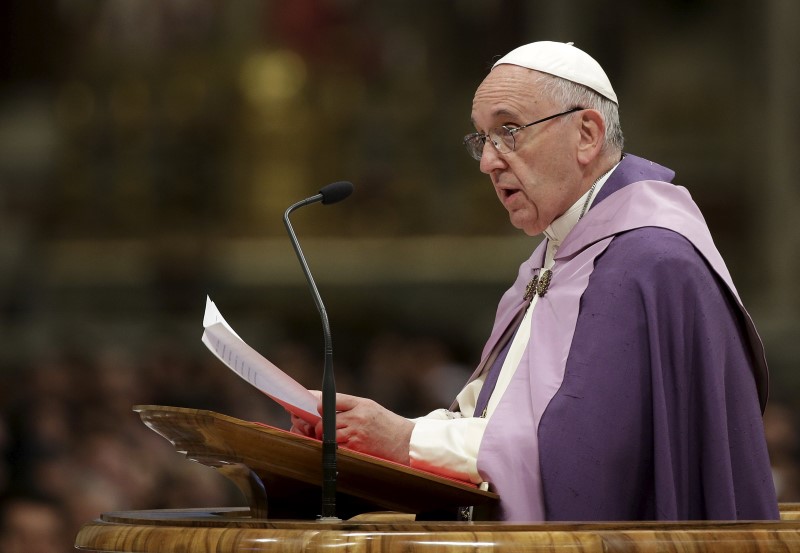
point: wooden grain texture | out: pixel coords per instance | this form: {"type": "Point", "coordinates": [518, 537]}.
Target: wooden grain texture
{"type": "Point", "coordinates": [290, 467]}
{"type": "Point", "coordinates": [230, 530]}
{"type": "Point", "coordinates": [790, 511]}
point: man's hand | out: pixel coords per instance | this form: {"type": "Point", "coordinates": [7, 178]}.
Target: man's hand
{"type": "Point", "coordinates": [363, 425]}
{"type": "Point", "coordinates": [299, 426]}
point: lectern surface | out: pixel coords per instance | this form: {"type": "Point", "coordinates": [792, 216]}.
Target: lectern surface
{"type": "Point", "coordinates": [286, 469]}
{"type": "Point", "coordinates": [230, 530]}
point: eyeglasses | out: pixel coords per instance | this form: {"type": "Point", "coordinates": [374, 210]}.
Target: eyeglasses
{"type": "Point", "coordinates": [502, 138]}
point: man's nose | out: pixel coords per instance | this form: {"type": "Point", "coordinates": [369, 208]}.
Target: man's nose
{"type": "Point", "coordinates": [491, 159]}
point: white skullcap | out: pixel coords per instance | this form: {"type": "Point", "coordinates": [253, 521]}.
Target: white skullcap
{"type": "Point", "coordinates": [562, 60]}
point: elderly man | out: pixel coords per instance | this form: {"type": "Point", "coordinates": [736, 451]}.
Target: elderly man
{"type": "Point", "coordinates": [623, 379]}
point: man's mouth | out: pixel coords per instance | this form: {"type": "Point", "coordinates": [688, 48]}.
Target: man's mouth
{"type": "Point", "coordinates": [508, 193]}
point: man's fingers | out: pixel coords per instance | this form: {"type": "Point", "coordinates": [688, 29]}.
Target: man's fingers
{"type": "Point", "coordinates": [346, 402]}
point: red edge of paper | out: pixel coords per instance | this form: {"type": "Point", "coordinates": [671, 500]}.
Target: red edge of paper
{"type": "Point", "coordinates": [465, 482]}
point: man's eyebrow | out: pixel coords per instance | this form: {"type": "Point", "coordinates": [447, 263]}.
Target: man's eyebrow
{"type": "Point", "coordinates": [501, 112]}
{"type": "Point", "coordinates": [505, 113]}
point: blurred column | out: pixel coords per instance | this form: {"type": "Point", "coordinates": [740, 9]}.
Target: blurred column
{"type": "Point", "coordinates": [780, 191]}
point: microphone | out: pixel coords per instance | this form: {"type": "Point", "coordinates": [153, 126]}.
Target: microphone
{"type": "Point", "coordinates": [330, 194]}
{"type": "Point", "coordinates": [336, 192]}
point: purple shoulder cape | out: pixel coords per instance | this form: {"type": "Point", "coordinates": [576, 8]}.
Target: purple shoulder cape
{"type": "Point", "coordinates": [636, 398]}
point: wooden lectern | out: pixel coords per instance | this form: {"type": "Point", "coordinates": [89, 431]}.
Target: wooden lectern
{"type": "Point", "coordinates": [387, 507]}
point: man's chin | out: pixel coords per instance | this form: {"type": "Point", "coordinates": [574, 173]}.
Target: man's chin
{"type": "Point", "coordinates": [529, 228]}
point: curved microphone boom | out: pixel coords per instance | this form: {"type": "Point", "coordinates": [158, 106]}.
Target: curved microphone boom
{"type": "Point", "coordinates": [329, 194]}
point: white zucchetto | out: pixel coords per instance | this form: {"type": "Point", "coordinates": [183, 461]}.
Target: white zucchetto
{"type": "Point", "coordinates": [562, 60]}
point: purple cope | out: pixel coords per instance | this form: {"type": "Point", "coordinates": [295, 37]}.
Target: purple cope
{"type": "Point", "coordinates": [639, 396]}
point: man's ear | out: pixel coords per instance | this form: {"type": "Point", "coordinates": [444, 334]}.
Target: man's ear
{"type": "Point", "coordinates": [592, 134]}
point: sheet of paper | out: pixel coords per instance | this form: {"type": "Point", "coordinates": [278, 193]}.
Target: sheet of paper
{"type": "Point", "coordinates": [229, 348]}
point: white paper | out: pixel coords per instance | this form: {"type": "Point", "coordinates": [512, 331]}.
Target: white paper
{"type": "Point", "coordinates": [229, 348]}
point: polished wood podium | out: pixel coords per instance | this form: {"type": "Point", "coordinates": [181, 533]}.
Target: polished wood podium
{"type": "Point", "coordinates": [234, 530]}
{"type": "Point", "coordinates": [386, 507]}
{"type": "Point", "coordinates": [279, 473]}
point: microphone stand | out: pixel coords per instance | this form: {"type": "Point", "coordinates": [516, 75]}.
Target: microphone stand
{"type": "Point", "coordinates": [328, 383]}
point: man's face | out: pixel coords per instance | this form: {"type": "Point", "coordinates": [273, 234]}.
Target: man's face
{"type": "Point", "coordinates": [541, 178]}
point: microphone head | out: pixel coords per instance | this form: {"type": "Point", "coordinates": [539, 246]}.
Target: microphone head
{"type": "Point", "coordinates": [336, 191]}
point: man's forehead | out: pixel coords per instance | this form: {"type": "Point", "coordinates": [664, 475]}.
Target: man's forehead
{"type": "Point", "coordinates": [509, 91]}
{"type": "Point", "coordinates": [510, 76]}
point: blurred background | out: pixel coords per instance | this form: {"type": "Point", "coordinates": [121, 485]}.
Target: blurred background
{"type": "Point", "coordinates": [148, 150]}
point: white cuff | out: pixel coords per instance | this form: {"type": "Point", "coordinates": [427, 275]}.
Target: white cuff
{"type": "Point", "coordinates": [448, 447]}
{"type": "Point", "coordinates": [440, 414]}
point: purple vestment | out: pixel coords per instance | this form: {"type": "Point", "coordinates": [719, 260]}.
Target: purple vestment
{"type": "Point", "coordinates": [643, 375]}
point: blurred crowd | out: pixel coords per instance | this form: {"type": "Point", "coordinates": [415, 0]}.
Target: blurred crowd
{"type": "Point", "coordinates": [73, 447]}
